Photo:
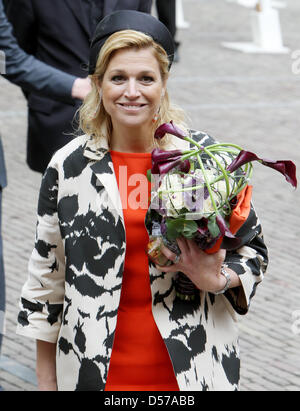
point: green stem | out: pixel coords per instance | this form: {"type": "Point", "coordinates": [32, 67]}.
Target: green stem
{"type": "Point", "coordinates": [207, 184]}
{"type": "Point", "coordinates": [190, 140]}
{"type": "Point", "coordinates": [188, 154]}
{"type": "Point", "coordinates": [182, 190]}
{"type": "Point", "coordinates": [225, 145]}
{"type": "Point", "coordinates": [190, 188]}
{"type": "Point", "coordinates": [224, 172]}
{"type": "Point", "coordinates": [169, 184]}
{"type": "Point", "coordinates": [209, 150]}
{"type": "Point", "coordinates": [223, 150]}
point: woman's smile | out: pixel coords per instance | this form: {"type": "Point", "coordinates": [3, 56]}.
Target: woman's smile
{"type": "Point", "coordinates": [132, 107]}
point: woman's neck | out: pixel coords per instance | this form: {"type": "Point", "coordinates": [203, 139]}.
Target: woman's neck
{"type": "Point", "coordinates": [130, 140]}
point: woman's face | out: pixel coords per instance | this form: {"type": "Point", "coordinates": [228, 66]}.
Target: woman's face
{"type": "Point", "coordinates": [132, 88]}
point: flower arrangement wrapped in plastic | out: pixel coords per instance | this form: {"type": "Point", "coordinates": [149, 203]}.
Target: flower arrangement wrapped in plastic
{"type": "Point", "coordinates": [198, 194]}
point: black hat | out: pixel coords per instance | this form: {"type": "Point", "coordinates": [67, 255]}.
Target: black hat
{"type": "Point", "coordinates": [130, 20]}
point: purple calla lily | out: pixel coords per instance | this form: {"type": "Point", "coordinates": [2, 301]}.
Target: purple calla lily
{"type": "Point", "coordinates": [164, 161]}
{"type": "Point", "coordinates": [203, 237]}
{"type": "Point", "coordinates": [230, 241]}
{"type": "Point", "coordinates": [159, 155]}
{"type": "Point", "coordinates": [169, 128]}
{"type": "Point", "coordinates": [185, 166]}
{"type": "Point", "coordinates": [244, 157]}
{"type": "Point", "coordinates": [285, 167]}
{"type": "Point", "coordinates": [223, 227]}
{"type": "Point", "coordinates": [164, 168]}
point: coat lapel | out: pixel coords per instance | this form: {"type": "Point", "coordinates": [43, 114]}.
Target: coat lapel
{"type": "Point", "coordinates": [104, 171]}
{"type": "Point", "coordinates": [78, 11]}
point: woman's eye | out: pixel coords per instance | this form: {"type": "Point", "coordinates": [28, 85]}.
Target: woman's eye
{"type": "Point", "coordinates": [147, 79]}
{"type": "Point", "coordinates": [117, 79]}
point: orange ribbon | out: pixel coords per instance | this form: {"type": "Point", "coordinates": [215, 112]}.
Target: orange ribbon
{"type": "Point", "coordinates": [238, 216]}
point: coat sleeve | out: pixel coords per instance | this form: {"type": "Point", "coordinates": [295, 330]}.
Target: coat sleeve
{"type": "Point", "coordinates": [42, 295]}
{"type": "Point", "coordinates": [29, 73]}
{"type": "Point", "coordinates": [145, 6]}
{"type": "Point", "coordinates": [22, 17]}
{"type": "Point", "coordinates": [249, 262]}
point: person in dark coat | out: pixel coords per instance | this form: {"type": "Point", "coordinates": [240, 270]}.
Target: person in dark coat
{"type": "Point", "coordinates": [58, 33]}
{"type": "Point", "coordinates": [26, 71]}
{"type": "Point", "coordinates": [33, 75]}
{"type": "Point", "coordinates": [166, 12]}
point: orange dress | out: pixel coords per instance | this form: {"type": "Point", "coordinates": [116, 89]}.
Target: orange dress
{"type": "Point", "coordinates": [139, 360]}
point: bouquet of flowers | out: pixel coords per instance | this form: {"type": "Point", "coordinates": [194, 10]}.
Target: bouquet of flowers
{"type": "Point", "coordinates": [195, 193]}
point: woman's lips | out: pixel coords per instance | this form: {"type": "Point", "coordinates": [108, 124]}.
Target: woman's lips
{"type": "Point", "coordinates": [131, 106]}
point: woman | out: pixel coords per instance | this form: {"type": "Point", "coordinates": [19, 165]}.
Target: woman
{"type": "Point", "coordinates": [104, 317]}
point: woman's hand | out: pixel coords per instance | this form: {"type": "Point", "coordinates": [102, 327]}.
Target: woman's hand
{"type": "Point", "coordinates": [46, 366]}
{"type": "Point", "coordinates": [203, 269]}
{"type": "Point", "coordinates": [81, 88]}
{"type": "Point", "coordinates": [47, 386]}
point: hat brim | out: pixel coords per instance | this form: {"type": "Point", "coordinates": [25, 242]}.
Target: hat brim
{"type": "Point", "coordinates": [130, 20]}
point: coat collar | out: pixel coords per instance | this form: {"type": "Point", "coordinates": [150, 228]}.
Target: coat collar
{"type": "Point", "coordinates": [97, 149]}
{"type": "Point", "coordinates": [102, 167]}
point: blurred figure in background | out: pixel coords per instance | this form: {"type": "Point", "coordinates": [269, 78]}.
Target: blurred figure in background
{"type": "Point", "coordinates": [33, 75]}
{"type": "Point", "coordinates": [166, 11]}
{"type": "Point", "coordinates": [58, 33]}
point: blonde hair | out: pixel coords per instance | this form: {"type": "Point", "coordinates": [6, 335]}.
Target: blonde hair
{"type": "Point", "coordinates": [93, 118]}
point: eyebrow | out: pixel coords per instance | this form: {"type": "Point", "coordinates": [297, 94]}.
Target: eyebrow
{"type": "Point", "coordinates": [121, 71]}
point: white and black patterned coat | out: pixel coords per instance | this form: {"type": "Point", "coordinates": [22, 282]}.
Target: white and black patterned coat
{"type": "Point", "coordinates": [73, 290]}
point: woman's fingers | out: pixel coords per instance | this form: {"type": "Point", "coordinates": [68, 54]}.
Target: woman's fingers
{"type": "Point", "coordinates": [168, 253]}
{"type": "Point", "coordinates": [184, 246]}
{"type": "Point", "coordinates": [185, 250]}
{"type": "Point", "coordinates": [203, 269]}
{"type": "Point", "coordinates": [176, 259]}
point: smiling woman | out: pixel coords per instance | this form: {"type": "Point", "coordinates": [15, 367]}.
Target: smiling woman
{"type": "Point", "coordinates": [105, 317]}
{"type": "Point", "coordinates": [129, 81]}
{"type": "Point", "coordinates": [132, 89]}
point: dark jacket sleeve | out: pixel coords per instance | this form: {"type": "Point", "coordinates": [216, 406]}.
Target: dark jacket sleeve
{"type": "Point", "coordinates": [145, 6]}
{"type": "Point", "coordinates": [29, 73]}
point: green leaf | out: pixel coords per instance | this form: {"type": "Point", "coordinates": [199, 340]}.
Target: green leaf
{"type": "Point", "coordinates": [149, 174]}
{"type": "Point", "coordinates": [173, 228]}
{"type": "Point", "coordinates": [189, 228]}
{"type": "Point", "coordinates": [180, 227]}
{"type": "Point", "coordinates": [213, 227]}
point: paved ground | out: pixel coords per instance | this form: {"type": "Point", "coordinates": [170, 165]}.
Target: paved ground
{"type": "Point", "coordinates": [252, 100]}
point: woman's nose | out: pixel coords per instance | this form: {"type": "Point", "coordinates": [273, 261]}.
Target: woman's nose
{"type": "Point", "coordinates": [132, 89]}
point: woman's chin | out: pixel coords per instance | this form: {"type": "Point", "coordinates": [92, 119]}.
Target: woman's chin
{"type": "Point", "coordinates": [133, 122]}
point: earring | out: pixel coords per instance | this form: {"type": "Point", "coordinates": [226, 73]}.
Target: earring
{"type": "Point", "coordinates": [155, 118]}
